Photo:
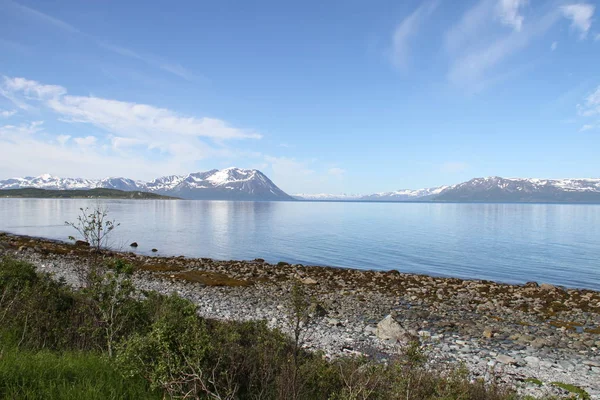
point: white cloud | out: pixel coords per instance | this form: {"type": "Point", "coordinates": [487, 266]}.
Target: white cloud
{"type": "Point", "coordinates": [7, 113]}
{"type": "Point", "coordinates": [509, 13]}
{"type": "Point", "coordinates": [157, 62]}
{"type": "Point", "coordinates": [553, 46]}
{"type": "Point", "coordinates": [591, 105]}
{"type": "Point", "coordinates": [586, 127]}
{"type": "Point", "coordinates": [121, 131]}
{"type": "Point", "coordinates": [148, 124]}
{"type": "Point", "coordinates": [63, 139]}
{"type": "Point", "coordinates": [597, 38]}
{"type": "Point", "coordinates": [12, 131]}
{"type": "Point", "coordinates": [472, 66]}
{"type": "Point", "coordinates": [338, 172]}
{"type": "Point", "coordinates": [581, 17]}
{"type": "Point", "coordinates": [467, 28]}
{"type": "Point", "coordinates": [406, 30]}
{"type": "Point", "coordinates": [40, 16]}
{"type": "Point", "coordinates": [173, 68]}
{"type": "Point", "coordinates": [87, 141]}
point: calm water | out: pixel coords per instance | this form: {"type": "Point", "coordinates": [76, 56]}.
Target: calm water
{"type": "Point", "coordinates": [558, 244]}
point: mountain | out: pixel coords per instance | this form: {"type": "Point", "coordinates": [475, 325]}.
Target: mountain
{"type": "Point", "coordinates": [406, 195]}
{"type": "Point", "coordinates": [226, 184]}
{"type": "Point", "coordinates": [328, 197]}
{"type": "Point", "coordinates": [496, 189]}
{"type": "Point", "coordinates": [489, 189]}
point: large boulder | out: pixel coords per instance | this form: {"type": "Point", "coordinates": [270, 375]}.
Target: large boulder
{"type": "Point", "coordinates": [389, 329]}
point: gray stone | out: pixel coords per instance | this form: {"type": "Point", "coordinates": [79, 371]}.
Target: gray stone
{"type": "Point", "coordinates": [389, 329]}
{"type": "Point", "coordinates": [504, 359]}
{"type": "Point", "coordinates": [566, 365]}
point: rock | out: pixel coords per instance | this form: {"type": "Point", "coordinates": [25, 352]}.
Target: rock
{"type": "Point", "coordinates": [547, 286]}
{"type": "Point", "coordinates": [534, 361]}
{"type": "Point", "coordinates": [531, 285]}
{"type": "Point", "coordinates": [538, 343]}
{"type": "Point", "coordinates": [591, 363]}
{"type": "Point", "coordinates": [309, 281]}
{"type": "Point", "coordinates": [566, 365]}
{"type": "Point", "coordinates": [488, 333]}
{"type": "Point", "coordinates": [82, 243]}
{"type": "Point", "coordinates": [154, 250]}
{"type": "Point", "coordinates": [389, 329]}
{"type": "Point", "coordinates": [504, 359]}
{"type": "Point", "coordinates": [134, 244]}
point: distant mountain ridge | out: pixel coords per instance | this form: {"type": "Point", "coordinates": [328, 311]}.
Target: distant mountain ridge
{"type": "Point", "coordinates": [225, 184]}
{"type": "Point", "coordinates": [251, 184]}
{"type": "Point", "coordinates": [489, 189]}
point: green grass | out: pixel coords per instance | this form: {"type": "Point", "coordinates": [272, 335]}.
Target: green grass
{"type": "Point", "coordinates": [66, 376]}
{"type": "Point", "coordinates": [581, 394]}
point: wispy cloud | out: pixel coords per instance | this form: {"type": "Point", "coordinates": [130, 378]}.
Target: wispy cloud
{"type": "Point", "coordinates": [159, 131]}
{"type": "Point", "coordinates": [7, 113]}
{"type": "Point", "coordinates": [586, 127]}
{"type": "Point", "coordinates": [464, 32]}
{"type": "Point", "coordinates": [41, 17]}
{"type": "Point", "coordinates": [87, 141]}
{"type": "Point", "coordinates": [581, 17]}
{"type": "Point", "coordinates": [152, 60]}
{"type": "Point", "coordinates": [590, 108]}
{"type": "Point", "coordinates": [22, 130]}
{"type": "Point", "coordinates": [553, 46]}
{"type": "Point", "coordinates": [477, 49]}
{"type": "Point", "coordinates": [591, 104]}
{"type": "Point", "coordinates": [141, 121]}
{"type": "Point", "coordinates": [405, 32]}
{"type": "Point", "coordinates": [509, 12]}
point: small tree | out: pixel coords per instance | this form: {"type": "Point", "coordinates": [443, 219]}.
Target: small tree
{"type": "Point", "coordinates": [94, 227]}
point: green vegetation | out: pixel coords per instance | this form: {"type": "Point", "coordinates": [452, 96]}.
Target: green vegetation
{"type": "Point", "coordinates": [70, 375]}
{"type": "Point", "coordinates": [535, 381]}
{"type": "Point", "coordinates": [109, 341]}
{"type": "Point", "coordinates": [99, 193]}
{"type": "Point", "coordinates": [576, 390]}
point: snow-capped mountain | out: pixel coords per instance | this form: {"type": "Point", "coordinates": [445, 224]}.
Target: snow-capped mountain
{"type": "Point", "coordinates": [499, 189]}
{"type": "Point", "coordinates": [405, 194]}
{"type": "Point", "coordinates": [489, 189]}
{"type": "Point", "coordinates": [328, 197]}
{"type": "Point", "coordinates": [226, 184]}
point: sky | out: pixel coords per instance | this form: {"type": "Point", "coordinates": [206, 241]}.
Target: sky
{"type": "Point", "coordinates": [340, 96]}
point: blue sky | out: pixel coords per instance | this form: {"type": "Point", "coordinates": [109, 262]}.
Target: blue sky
{"type": "Point", "coordinates": [336, 97]}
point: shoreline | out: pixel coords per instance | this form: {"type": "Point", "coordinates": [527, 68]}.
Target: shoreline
{"type": "Point", "coordinates": [530, 331]}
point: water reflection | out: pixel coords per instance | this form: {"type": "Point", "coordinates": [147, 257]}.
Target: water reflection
{"type": "Point", "coordinates": [508, 242]}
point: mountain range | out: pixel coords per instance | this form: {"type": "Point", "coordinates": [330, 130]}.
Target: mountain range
{"type": "Point", "coordinates": [489, 189]}
{"type": "Point", "coordinates": [251, 184]}
{"type": "Point", "coordinates": [225, 184]}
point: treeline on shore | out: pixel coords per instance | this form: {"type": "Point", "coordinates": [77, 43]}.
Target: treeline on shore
{"type": "Point", "coordinates": [98, 193]}
{"type": "Point", "coordinates": [109, 341]}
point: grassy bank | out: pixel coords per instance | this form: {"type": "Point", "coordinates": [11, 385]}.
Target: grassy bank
{"type": "Point", "coordinates": [110, 341]}
{"type": "Point", "coordinates": [45, 374]}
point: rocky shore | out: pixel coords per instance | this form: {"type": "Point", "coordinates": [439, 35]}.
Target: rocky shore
{"type": "Point", "coordinates": [536, 337]}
